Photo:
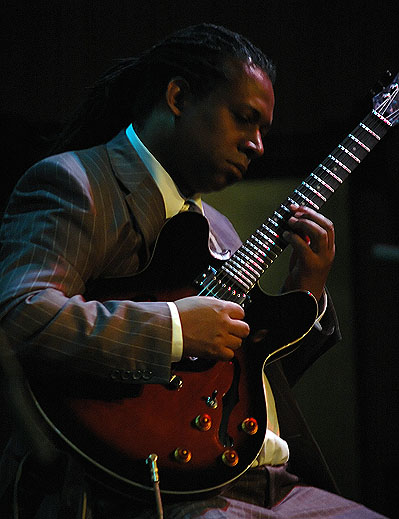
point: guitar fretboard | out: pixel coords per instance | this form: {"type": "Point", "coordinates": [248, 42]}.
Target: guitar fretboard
{"type": "Point", "coordinates": [239, 274]}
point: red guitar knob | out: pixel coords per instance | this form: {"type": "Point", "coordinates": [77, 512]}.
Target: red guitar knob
{"type": "Point", "coordinates": [182, 455]}
{"type": "Point", "coordinates": [230, 458]}
{"type": "Point", "coordinates": [250, 426]}
{"type": "Point", "coordinates": [203, 422]}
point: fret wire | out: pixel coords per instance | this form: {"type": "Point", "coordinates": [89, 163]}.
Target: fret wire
{"type": "Point", "coordinates": [340, 164]}
{"type": "Point", "coordinates": [318, 180]}
{"type": "Point", "coordinates": [320, 193]}
{"type": "Point", "coordinates": [332, 170]}
{"type": "Point", "coordinates": [311, 192]}
{"type": "Point", "coordinates": [255, 256]}
{"type": "Point", "coordinates": [346, 162]}
{"type": "Point", "coordinates": [270, 243]}
{"type": "Point", "coordinates": [326, 179]}
{"type": "Point", "coordinates": [250, 260]}
{"type": "Point", "coordinates": [238, 263]}
{"type": "Point", "coordinates": [238, 275]}
{"type": "Point", "coordinates": [272, 222]}
{"type": "Point", "coordinates": [278, 216]}
{"type": "Point", "coordinates": [260, 242]}
{"type": "Point", "coordinates": [265, 237]}
{"type": "Point", "coordinates": [356, 145]}
{"type": "Point", "coordinates": [328, 176]}
{"type": "Point", "coordinates": [268, 261]}
{"type": "Point", "coordinates": [257, 249]}
{"type": "Point", "coordinates": [349, 153]}
{"type": "Point", "coordinates": [315, 191]}
{"type": "Point", "coordinates": [304, 197]}
{"type": "Point", "coordinates": [269, 253]}
{"type": "Point", "coordinates": [256, 269]}
{"type": "Point", "coordinates": [236, 278]}
{"type": "Point", "coordinates": [373, 126]}
{"type": "Point", "coordinates": [249, 271]}
{"type": "Point", "coordinates": [273, 233]}
{"type": "Point", "coordinates": [270, 240]}
{"type": "Point", "coordinates": [365, 136]}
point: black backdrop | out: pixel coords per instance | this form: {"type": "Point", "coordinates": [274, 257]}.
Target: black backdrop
{"type": "Point", "coordinates": [328, 56]}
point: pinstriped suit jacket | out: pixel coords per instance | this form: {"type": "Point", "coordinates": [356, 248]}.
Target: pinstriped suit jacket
{"type": "Point", "coordinates": [73, 218]}
{"type": "Point", "coordinates": [95, 213]}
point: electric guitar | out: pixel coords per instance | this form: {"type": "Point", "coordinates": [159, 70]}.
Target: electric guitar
{"type": "Point", "coordinates": [208, 424]}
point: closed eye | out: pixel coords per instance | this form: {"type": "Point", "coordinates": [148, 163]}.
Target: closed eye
{"type": "Point", "coordinates": [242, 119]}
{"type": "Point", "coordinates": [252, 119]}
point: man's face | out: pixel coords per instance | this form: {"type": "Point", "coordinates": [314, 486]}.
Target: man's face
{"type": "Point", "coordinates": [220, 134]}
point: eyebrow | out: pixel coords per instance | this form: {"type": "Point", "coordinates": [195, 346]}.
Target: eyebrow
{"type": "Point", "coordinates": [266, 125]}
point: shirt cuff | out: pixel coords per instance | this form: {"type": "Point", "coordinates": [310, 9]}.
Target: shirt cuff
{"type": "Point", "coordinates": [177, 334]}
{"type": "Point", "coordinates": [322, 306]}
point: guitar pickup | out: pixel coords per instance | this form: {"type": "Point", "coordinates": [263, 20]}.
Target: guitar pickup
{"type": "Point", "coordinates": [205, 278]}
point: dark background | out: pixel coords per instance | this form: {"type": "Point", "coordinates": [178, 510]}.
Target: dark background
{"type": "Point", "coordinates": [329, 55]}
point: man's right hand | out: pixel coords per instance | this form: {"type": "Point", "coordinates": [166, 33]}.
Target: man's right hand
{"type": "Point", "coordinates": [212, 328]}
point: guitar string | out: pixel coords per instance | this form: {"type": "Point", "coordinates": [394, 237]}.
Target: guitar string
{"type": "Point", "coordinates": [214, 286]}
{"type": "Point", "coordinates": [222, 279]}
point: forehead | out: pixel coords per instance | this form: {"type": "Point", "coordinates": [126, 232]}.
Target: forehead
{"type": "Point", "coordinates": [248, 84]}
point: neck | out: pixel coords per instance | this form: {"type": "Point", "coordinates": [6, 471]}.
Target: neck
{"type": "Point", "coordinates": [156, 137]}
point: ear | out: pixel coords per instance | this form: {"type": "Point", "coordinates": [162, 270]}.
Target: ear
{"type": "Point", "coordinates": [177, 95]}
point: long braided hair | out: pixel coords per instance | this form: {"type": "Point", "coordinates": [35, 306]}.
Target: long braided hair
{"type": "Point", "coordinates": [128, 91]}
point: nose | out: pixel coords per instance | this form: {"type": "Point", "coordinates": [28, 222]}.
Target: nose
{"type": "Point", "coordinates": [254, 145]}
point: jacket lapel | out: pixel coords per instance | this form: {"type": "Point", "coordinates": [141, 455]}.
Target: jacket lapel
{"type": "Point", "coordinates": [142, 194]}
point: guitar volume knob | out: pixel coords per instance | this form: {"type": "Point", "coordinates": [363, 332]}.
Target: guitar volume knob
{"type": "Point", "coordinates": [203, 422]}
{"type": "Point", "coordinates": [182, 455]}
{"type": "Point", "coordinates": [249, 426]}
{"type": "Point", "coordinates": [230, 458]}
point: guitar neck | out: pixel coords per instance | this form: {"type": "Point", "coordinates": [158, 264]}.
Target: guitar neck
{"type": "Point", "coordinates": [238, 275]}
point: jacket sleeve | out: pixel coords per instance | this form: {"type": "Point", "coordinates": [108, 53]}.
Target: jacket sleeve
{"type": "Point", "coordinates": [53, 242]}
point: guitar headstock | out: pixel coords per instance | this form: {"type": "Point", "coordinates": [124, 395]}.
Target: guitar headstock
{"type": "Point", "coordinates": [386, 102]}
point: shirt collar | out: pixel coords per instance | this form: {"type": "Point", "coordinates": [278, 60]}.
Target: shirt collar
{"type": "Point", "coordinates": [173, 200]}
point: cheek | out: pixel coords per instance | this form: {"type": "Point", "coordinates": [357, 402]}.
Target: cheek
{"type": "Point", "coordinates": [210, 139]}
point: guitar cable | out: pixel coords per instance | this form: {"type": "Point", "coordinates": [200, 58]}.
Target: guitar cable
{"type": "Point", "coordinates": [152, 462]}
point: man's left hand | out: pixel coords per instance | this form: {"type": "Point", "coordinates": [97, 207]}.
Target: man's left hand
{"type": "Point", "coordinates": [313, 240]}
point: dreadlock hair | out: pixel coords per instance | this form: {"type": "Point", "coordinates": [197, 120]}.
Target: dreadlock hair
{"type": "Point", "coordinates": [129, 91]}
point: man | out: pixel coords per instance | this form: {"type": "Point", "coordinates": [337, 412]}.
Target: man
{"type": "Point", "coordinates": [186, 117]}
